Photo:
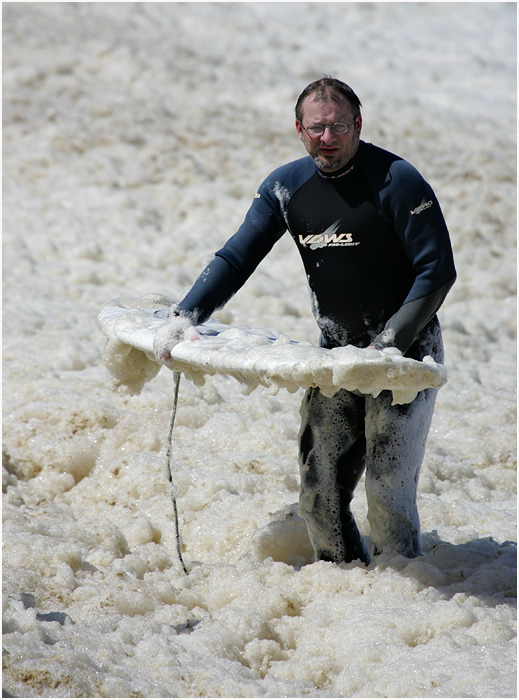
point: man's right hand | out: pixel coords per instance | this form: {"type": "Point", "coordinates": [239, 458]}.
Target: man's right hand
{"type": "Point", "coordinates": [175, 330]}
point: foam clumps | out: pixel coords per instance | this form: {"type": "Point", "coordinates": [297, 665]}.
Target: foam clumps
{"type": "Point", "coordinates": [254, 357]}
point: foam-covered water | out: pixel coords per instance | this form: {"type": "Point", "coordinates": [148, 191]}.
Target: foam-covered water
{"type": "Point", "coordinates": [135, 135]}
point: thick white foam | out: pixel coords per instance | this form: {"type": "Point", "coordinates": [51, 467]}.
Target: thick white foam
{"type": "Point", "coordinates": [255, 357]}
{"type": "Point", "coordinates": [134, 138]}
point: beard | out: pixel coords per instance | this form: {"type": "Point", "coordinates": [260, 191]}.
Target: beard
{"type": "Point", "coordinates": [327, 164]}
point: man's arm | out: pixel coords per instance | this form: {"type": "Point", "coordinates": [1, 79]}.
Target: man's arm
{"type": "Point", "coordinates": [411, 204]}
{"type": "Point", "coordinates": [213, 288]}
{"type": "Point", "coordinates": [236, 261]}
{"type": "Point", "coordinates": [404, 326]}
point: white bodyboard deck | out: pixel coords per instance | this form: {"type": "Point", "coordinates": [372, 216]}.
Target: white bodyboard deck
{"type": "Point", "coordinates": [254, 357]}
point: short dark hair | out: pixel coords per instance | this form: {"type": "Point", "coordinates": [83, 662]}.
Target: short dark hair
{"type": "Point", "coordinates": [328, 88]}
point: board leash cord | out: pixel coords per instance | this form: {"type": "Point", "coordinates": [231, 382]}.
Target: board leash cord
{"type": "Point", "coordinates": [169, 456]}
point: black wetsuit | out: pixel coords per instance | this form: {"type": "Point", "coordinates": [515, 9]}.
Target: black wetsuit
{"type": "Point", "coordinates": [372, 238]}
{"type": "Point", "coordinates": [379, 263]}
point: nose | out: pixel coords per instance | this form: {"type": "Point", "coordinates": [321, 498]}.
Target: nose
{"type": "Point", "coordinates": [328, 136]}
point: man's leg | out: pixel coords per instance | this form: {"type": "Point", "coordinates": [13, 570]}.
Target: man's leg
{"type": "Point", "coordinates": [395, 446]}
{"type": "Point", "coordinates": [331, 461]}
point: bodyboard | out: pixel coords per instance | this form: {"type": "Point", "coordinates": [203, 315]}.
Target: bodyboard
{"type": "Point", "coordinates": [253, 356]}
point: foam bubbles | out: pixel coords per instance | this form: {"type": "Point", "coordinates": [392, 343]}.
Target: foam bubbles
{"type": "Point", "coordinates": [121, 174]}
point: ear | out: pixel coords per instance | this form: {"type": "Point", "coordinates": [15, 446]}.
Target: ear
{"type": "Point", "coordinates": [299, 129]}
{"type": "Point", "coordinates": [358, 123]}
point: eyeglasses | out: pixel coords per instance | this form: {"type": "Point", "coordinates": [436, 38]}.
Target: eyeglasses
{"type": "Point", "coordinates": [318, 129]}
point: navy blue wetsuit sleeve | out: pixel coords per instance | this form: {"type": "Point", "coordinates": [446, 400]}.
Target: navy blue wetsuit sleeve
{"type": "Point", "coordinates": [264, 224]}
{"type": "Point", "coordinates": [410, 204]}
{"type": "Point", "coordinates": [211, 290]}
{"type": "Point", "coordinates": [404, 326]}
{"type": "Point", "coordinates": [233, 264]}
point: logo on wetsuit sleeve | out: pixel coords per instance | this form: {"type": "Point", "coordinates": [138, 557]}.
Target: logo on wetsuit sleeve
{"type": "Point", "coordinates": [422, 207]}
{"type": "Point", "coordinates": [328, 238]}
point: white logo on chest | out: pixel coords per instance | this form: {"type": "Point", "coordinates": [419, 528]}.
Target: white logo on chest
{"type": "Point", "coordinates": [327, 238]}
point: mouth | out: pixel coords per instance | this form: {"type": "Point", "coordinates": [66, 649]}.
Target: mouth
{"type": "Point", "coordinates": [328, 152]}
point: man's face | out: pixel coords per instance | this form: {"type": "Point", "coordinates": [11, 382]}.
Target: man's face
{"type": "Point", "coordinates": [329, 151]}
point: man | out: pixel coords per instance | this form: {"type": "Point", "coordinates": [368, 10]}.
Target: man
{"type": "Point", "coordinates": [379, 263]}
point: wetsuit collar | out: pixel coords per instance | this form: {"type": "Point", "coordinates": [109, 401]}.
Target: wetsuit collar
{"type": "Point", "coordinates": [350, 165]}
